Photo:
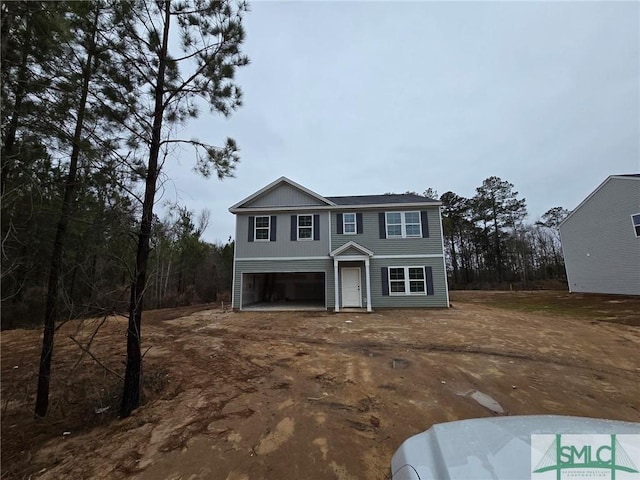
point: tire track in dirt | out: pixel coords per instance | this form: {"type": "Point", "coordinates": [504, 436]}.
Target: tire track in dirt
{"type": "Point", "coordinates": [369, 346]}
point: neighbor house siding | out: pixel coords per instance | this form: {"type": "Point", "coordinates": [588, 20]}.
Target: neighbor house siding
{"type": "Point", "coordinates": [283, 246]}
{"type": "Point", "coordinates": [370, 237]}
{"type": "Point", "coordinates": [284, 196]}
{"type": "Point", "coordinates": [601, 251]}
{"type": "Point", "coordinates": [438, 299]}
{"type": "Point", "coordinates": [267, 266]}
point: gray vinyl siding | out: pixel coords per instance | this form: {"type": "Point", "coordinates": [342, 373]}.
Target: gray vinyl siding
{"type": "Point", "coordinates": [438, 299]}
{"type": "Point", "coordinates": [283, 246]}
{"type": "Point", "coordinates": [268, 266]}
{"type": "Point", "coordinates": [370, 237]}
{"type": "Point", "coordinates": [601, 251]}
{"type": "Point", "coordinates": [284, 196]}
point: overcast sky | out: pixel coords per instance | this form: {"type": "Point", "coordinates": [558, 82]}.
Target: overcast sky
{"type": "Point", "coordinates": [353, 98]}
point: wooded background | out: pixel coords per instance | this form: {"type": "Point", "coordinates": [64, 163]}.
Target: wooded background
{"type": "Point", "coordinates": [75, 132]}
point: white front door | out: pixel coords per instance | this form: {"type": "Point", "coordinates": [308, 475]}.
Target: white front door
{"type": "Point", "coordinates": [351, 296]}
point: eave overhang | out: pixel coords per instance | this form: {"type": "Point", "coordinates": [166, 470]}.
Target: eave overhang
{"type": "Point", "coordinates": [342, 208]}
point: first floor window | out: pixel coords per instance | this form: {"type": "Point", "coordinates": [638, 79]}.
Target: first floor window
{"type": "Point", "coordinates": [349, 223]}
{"type": "Point", "coordinates": [416, 280]}
{"type": "Point", "coordinates": [396, 280]}
{"type": "Point", "coordinates": [262, 228]}
{"type": "Point", "coordinates": [407, 281]}
{"type": "Point", "coordinates": [305, 227]}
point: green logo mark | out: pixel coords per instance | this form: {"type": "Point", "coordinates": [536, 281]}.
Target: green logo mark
{"type": "Point", "coordinates": [608, 456]}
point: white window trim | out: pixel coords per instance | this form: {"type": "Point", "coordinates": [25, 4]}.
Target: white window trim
{"type": "Point", "coordinates": [354, 223]}
{"type": "Point", "coordinates": [403, 225]}
{"type": "Point", "coordinates": [255, 229]}
{"type": "Point", "coordinates": [407, 280]}
{"type": "Point", "coordinates": [304, 226]}
{"type": "Point", "coordinates": [633, 222]}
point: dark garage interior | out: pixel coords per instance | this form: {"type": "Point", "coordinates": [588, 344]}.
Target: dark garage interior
{"type": "Point", "coordinates": [283, 290]}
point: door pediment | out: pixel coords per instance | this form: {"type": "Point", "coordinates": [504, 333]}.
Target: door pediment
{"type": "Point", "coordinates": [351, 249]}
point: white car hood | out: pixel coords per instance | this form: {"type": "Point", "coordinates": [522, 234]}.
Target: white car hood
{"type": "Point", "coordinates": [488, 448]}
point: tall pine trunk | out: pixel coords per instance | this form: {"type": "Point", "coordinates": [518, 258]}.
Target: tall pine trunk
{"type": "Point", "coordinates": [133, 372]}
{"type": "Point", "coordinates": [12, 128]}
{"type": "Point", "coordinates": [44, 374]}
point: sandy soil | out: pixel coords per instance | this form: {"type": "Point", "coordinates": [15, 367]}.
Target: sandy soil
{"type": "Point", "coordinates": [241, 396]}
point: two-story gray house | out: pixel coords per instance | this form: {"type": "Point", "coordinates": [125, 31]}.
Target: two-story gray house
{"type": "Point", "coordinates": [295, 248]}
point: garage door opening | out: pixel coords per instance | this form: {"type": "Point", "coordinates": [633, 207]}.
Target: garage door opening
{"type": "Point", "coordinates": [283, 291]}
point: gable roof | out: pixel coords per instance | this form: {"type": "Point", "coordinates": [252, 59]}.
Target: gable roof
{"type": "Point", "coordinates": [272, 186]}
{"type": "Point", "coordinates": [355, 201]}
{"type": "Point", "coordinates": [627, 176]}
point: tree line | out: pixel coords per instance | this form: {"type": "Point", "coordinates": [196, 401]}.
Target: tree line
{"type": "Point", "coordinates": [489, 244]}
{"type": "Point", "coordinates": [93, 96]}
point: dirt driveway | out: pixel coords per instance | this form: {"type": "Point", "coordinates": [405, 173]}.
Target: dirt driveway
{"type": "Point", "coordinates": [308, 395]}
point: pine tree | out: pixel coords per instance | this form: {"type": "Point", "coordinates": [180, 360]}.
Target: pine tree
{"type": "Point", "coordinates": [82, 75]}
{"type": "Point", "coordinates": [211, 34]}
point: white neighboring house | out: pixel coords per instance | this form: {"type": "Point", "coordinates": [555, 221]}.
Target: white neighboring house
{"type": "Point", "coordinates": [601, 239]}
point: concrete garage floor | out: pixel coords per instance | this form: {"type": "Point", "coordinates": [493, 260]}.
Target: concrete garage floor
{"type": "Point", "coordinates": [285, 307]}
{"type": "Point", "coordinates": [311, 395]}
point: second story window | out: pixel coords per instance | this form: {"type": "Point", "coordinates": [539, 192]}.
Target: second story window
{"type": "Point", "coordinates": [403, 224]}
{"type": "Point", "coordinates": [349, 223]}
{"type": "Point", "coordinates": [305, 227]}
{"type": "Point", "coordinates": [394, 224]}
{"type": "Point", "coordinates": [412, 224]}
{"type": "Point", "coordinates": [262, 229]}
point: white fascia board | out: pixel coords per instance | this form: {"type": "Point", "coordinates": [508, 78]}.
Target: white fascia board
{"type": "Point", "coordinates": [281, 259]}
{"type": "Point", "coordinates": [395, 207]}
{"type": "Point", "coordinates": [387, 206]}
{"type": "Point", "coordinates": [352, 258]}
{"type": "Point", "coordinates": [420, 255]}
{"type": "Point", "coordinates": [281, 208]}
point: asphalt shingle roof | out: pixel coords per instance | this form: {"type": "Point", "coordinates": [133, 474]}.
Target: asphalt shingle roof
{"type": "Point", "coordinates": [380, 199]}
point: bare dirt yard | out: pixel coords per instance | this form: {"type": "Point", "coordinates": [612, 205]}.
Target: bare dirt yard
{"type": "Point", "coordinates": [306, 395]}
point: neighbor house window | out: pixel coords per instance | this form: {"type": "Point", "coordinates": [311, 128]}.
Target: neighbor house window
{"type": "Point", "coordinates": [262, 228]}
{"type": "Point", "coordinates": [305, 227]}
{"type": "Point", "coordinates": [349, 223]}
{"type": "Point", "coordinates": [636, 223]}
{"type": "Point", "coordinates": [403, 224]}
{"type": "Point", "coordinates": [407, 281]}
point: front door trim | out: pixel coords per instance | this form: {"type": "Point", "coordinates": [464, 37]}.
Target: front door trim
{"type": "Point", "coordinates": [348, 300]}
